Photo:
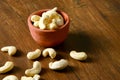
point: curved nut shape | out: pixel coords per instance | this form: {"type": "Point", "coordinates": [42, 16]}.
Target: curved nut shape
{"type": "Point", "coordinates": [58, 65]}
{"type": "Point", "coordinates": [36, 24]}
{"type": "Point", "coordinates": [35, 18]}
{"type": "Point", "coordinates": [35, 70]}
{"type": "Point", "coordinates": [49, 51]}
{"type": "Point", "coordinates": [35, 77]}
{"type": "Point", "coordinates": [34, 54]}
{"type": "Point", "coordinates": [10, 77]}
{"type": "Point", "coordinates": [53, 25]}
{"type": "Point", "coordinates": [11, 49]}
{"type": "Point", "coordinates": [7, 67]}
{"type": "Point", "coordinates": [78, 55]}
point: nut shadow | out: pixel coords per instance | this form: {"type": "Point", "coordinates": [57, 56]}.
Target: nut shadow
{"type": "Point", "coordinates": [18, 53]}
{"type": "Point", "coordinates": [13, 71]}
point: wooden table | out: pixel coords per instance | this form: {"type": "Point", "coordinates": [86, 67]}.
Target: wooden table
{"type": "Point", "coordinates": [94, 28]}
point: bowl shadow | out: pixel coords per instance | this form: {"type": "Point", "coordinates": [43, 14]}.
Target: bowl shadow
{"type": "Point", "coordinates": [78, 41]}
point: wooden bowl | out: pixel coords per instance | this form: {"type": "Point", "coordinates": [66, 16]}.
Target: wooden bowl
{"type": "Point", "coordinates": [49, 38]}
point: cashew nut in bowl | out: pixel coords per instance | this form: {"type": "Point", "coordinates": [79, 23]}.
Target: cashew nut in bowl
{"type": "Point", "coordinates": [36, 24]}
{"type": "Point", "coordinates": [35, 77]}
{"type": "Point", "coordinates": [10, 77]}
{"type": "Point", "coordinates": [35, 70]}
{"type": "Point", "coordinates": [7, 67]}
{"type": "Point", "coordinates": [34, 54]}
{"type": "Point", "coordinates": [11, 49]}
{"type": "Point", "coordinates": [49, 51]}
{"type": "Point", "coordinates": [78, 55]}
{"type": "Point", "coordinates": [58, 65]}
{"type": "Point", "coordinates": [35, 18]}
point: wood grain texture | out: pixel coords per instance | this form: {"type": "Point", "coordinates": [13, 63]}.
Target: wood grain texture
{"type": "Point", "coordinates": [94, 28]}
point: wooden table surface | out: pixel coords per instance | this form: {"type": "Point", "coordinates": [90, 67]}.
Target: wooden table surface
{"type": "Point", "coordinates": [94, 28]}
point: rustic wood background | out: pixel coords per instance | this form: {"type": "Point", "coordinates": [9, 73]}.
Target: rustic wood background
{"type": "Point", "coordinates": [94, 28]}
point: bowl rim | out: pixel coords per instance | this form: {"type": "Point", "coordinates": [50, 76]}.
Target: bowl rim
{"type": "Point", "coordinates": [66, 20]}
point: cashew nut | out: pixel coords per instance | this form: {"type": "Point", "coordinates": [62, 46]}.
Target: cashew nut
{"type": "Point", "coordinates": [7, 67]}
{"type": "Point", "coordinates": [34, 54]}
{"type": "Point", "coordinates": [35, 18]}
{"type": "Point", "coordinates": [10, 77]}
{"type": "Point", "coordinates": [35, 77]}
{"type": "Point", "coordinates": [11, 50]}
{"type": "Point", "coordinates": [49, 51]}
{"type": "Point", "coordinates": [53, 25]}
{"type": "Point", "coordinates": [58, 65]}
{"type": "Point", "coordinates": [78, 55]}
{"type": "Point", "coordinates": [35, 70]}
{"type": "Point", "coordinates": [36, 23]}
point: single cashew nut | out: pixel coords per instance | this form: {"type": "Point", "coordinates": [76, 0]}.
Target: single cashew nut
{"type": "Point", "coordinates": [78, 55]}
{"type": "Point", "coordinates": [11, 50]}
{"type": "Point", "coordinates": [35, 70]}
{"type": "Point", "coordinates": [58, 65]}
{"type": "Point", "coordinates": [7, 67]}
{"type": "Point", "coordinates": [36, 23]}
{"type": "Point", "coordinates": [35, 77]}
{"type": "Point", "coordinates": [35, 18]}
{"type": "Point", "coordinates": [10, 77]}
{"type": "Point", "coordinates": [34, 54]}
{"type": "Point", "coordinates": [49, 51]}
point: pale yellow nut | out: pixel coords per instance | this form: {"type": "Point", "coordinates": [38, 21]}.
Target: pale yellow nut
{"type": "Point", "coordinates": [11, 49]}
{"type": "Point", "coordinates": [43, 22]}
{"type": "Point", "coordinates": [52, 25]}
{"type": "Point", "coordinates": [35, 70]}
{"type": "Point", "coordinates": [78, 55]}
{"type": "Point", "coordinates": [6, 67]}
{"type": "Point", "coordinates": [58, 65]}
{"type": "Point", "coordinates": [60, 20]}
{"type": "Point", "coordinates": [26, 78]}
{"type": "Point", "coordinates": [49, 51]}
{"type": "Point", "coordinates": [36, 24]}
{"type": "Point", "coordinates": [10, 77]}
{"type": "Point", "coordinates": [34, 54]}
{"type": "Point", "coordinates": [35, 77]}
{"type": "Point", "coordinates": [35, 18]}
{"type": "Point", "coordinates": [50, 12]}
{"type": "Point", "coordinates": [54, 15]}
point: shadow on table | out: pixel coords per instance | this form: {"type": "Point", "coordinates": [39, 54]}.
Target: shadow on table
{"type": "Point", "coordinates": [77, 41]}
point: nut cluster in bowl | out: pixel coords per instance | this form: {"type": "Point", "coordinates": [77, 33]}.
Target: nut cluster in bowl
{"type": "Point", "coordinates": [49, 20]}
{"type": "Point", "coordinates": [49, 27]}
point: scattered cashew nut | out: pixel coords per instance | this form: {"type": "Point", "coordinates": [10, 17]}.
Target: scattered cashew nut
{"type": "Point", "coordinates": [35, 70]}
{"type": "Point", "coordinates": [78, 55]}
{"type": "Point", "coordinates": [11, 49]}
{"type": "Point", "coordinates": [7, 67]}
{"type": "Point", "coordinates": [10, 77]}
{"type": "Point", "coordinates": [58, 65]}
{"type": "Point", "coordinates": [35, 77]}
{"type": "Point", "coordinates": [49, 51]}
{"type": "Point", "coordinates": [34, 54]}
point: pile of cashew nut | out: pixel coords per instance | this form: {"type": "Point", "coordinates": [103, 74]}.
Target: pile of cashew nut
{"type": "Point", "coordinates": [49, 20]}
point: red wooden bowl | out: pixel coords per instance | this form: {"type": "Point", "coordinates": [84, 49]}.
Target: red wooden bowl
{"type": "Point", "coordinates": [49, 38]}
